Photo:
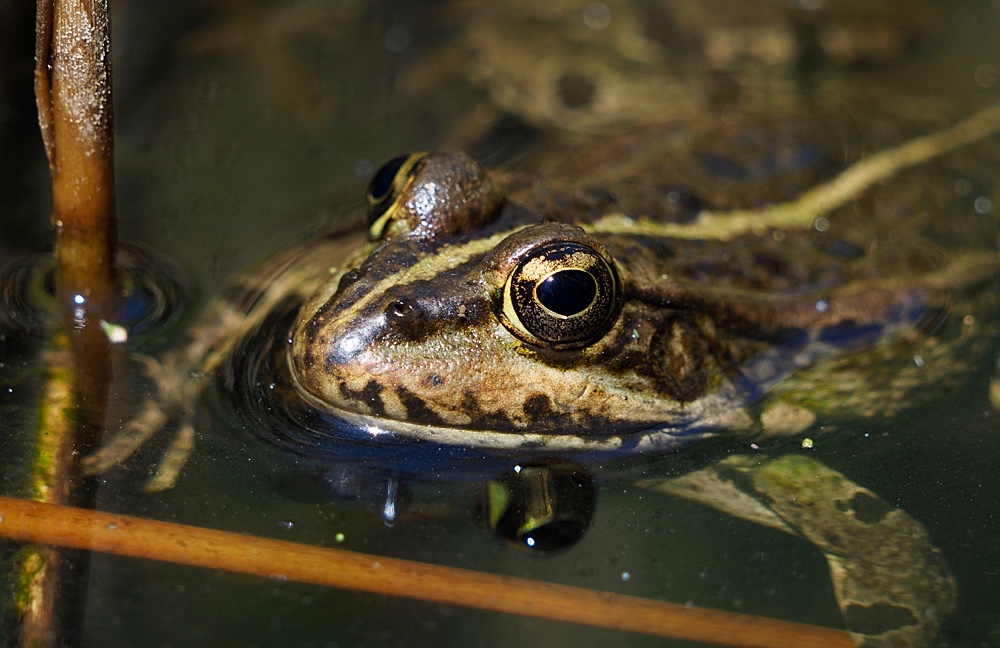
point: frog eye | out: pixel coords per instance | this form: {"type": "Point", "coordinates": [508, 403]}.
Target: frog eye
{"type": "Point", "coordinates": [386, 187]}
{"type": "Point", "coordinates": [563, 294]}
{"type": "Point", "coordinates": [429, 194]}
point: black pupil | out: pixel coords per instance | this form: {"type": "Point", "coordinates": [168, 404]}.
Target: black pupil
{"type": "Point", "coordinates": [567, 292]}
{"type": "Point", "coordinates": [382, 180]}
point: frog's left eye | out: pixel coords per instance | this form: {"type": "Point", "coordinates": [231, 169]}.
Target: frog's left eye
{"type": "Point", "coordinates": [562, 294]}
{"type": "Point", "coordinates": [430, 194]}
{"type": "Point", "coordinates": [386, 187]}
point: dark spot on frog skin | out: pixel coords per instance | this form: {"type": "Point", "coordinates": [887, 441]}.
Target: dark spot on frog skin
{"type": "Point", "coordinates": [491, 420]}
{"type": "Point", "coordinates": [370, 395]}
{"type": "Point", "coordinates": [538, 407]}
{"type": "Point", "coordinates": [313, 327]}
{"type": "Point", "coordinates": [868, 508]}
{"type": "Point", "coordinates": [576, 90]}
{"type": "Point", "coordinates": [878, 618]}
{"type": "Point", "coordinates": [416, 409]}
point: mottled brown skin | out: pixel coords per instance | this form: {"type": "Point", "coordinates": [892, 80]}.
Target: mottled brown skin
{"type": "Point", "coordinates": [421, 332]}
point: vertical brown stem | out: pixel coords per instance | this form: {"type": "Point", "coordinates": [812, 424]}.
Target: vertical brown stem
{"type": "Point", "coordinates": [83, 188]}
{"type": "Point", "coordinates": [73, 93]}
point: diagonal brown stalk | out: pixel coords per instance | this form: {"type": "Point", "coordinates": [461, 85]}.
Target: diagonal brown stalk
{"type": "Point", "coordinates": [277, 559]}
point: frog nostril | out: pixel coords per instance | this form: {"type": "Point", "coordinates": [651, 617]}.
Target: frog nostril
{"type": "Point", "coordinates": [406, 318]}
{"type": "Point", "coordinates": [401, 309]}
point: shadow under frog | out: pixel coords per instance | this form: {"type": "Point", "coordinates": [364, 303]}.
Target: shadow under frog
{"type": "Point", "coordinates": [528, 316]}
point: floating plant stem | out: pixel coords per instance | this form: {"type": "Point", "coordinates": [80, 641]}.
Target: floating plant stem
{"type": "Point", "coordinates": [282, 560]}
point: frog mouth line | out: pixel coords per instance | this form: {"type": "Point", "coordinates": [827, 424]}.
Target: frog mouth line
{"type": "Point", "coordinates": [661, 437]}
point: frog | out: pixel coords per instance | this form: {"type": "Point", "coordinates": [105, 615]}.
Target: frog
{"type": "Point", "coordinates": [640, 295]}
{"type": "Point", "coordinates": [585, 66]}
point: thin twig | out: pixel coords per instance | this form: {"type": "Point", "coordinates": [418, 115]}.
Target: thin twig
{"type": "Point", "coordinates": [275, 559]}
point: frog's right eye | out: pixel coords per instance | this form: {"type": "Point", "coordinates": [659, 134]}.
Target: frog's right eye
{"type": "Point", "coordinates": [387, 187]}
{"type": "Point", "coordinates": [562, 294]}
